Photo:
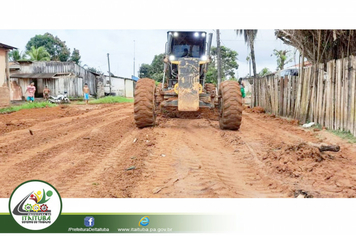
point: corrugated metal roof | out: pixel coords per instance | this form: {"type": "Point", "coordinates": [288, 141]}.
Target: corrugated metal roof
{"type": "Point", "coordinates": [6, 46]}
{"type": "Point", "coordinates": [33, 75]}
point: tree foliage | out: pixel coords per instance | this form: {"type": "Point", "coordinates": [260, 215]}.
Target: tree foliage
{"type": "Point", "coordinates": [75, 56]}
{"type": "Point", "coordinates": [93, 69]}
{"type": "Point", "coordinates": [38, 54]}
{"type": "Point", "coordinates": [320, 46]}
{"type": "Point", "coordinates": [283, 58]}
{"type": "Point", "coordinates": [249, 37]}
{"type": "Point", "coordinates": [228, 64]}
{"type": "Point", "coordinates": [264, 71]}
{"type": "Point", "coordinates": [155, 70]}
{"type": "Point", "coordinates": [56, 48]}
{"type": "Point", "coordinates": [16, 55]}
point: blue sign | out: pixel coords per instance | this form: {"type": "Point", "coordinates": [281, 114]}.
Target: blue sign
{"type": "Point", "coordinates": [134, 78]}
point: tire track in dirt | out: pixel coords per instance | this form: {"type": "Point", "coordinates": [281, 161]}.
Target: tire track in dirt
{"type": "Point", "coordinates": [197, 162]}
{"type": "Point", "coordinates": [51, 159]}
{"type": "Point", "coordinates": [68, 123]}
{"type": "Point", "coordinates": [88, 155]}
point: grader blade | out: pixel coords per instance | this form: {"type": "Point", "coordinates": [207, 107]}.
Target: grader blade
{"type": "Point", "coordinates": [188, 84]}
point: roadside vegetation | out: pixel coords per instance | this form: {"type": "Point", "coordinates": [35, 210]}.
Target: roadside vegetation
{"type": "Point", "coordinates": [26, 106]}
{"type": "Point", "coordinates": [107, 100]}
{"type": "Point", "coordinates": [344, 135]}
{"type": "Point", "coordinates": [111, 99]}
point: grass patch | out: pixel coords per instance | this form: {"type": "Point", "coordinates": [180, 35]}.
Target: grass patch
{"type": "Point", "coordinates": [344, 135]}
{"type": "Point", "coordinates": [27, 106]}
{"type": "Point", "coordinates": [111, 99]}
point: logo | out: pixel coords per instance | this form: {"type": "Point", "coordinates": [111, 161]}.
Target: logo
{"type": "Point", "coordinates": [35, 205]}
{"type": "Point", "coordinates": [144, 221]}
{"type": "Point", "coordinates": [89, 221]}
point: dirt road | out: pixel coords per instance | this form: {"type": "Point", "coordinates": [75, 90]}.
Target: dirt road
{"type": "Point", "coordinates": [96, 151]}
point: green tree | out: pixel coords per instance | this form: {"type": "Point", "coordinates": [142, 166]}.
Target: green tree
{"type": "Point", "coordinates": [144, 71]}
{"type": "Point", "coordinates": [38, 54]}
{"type": "Point", "coordinates": [249, 37]}
{"type": "Point", "coordinates": [93, 69]}
{"type": "Point", "coordinates": [228, 64]}
{"type": "Point", "coordinates": [264, 71]}
{"type": "Point", "coordinates": [16, 55]}
{"type": "Point", "coordinates": [283, 57]}
{"type": "Point", "coordinates": [75, 56]}
{"type": "Point", "coordinates": [157, 67]}
{"type": "Point", "coordinates": [155, 70]}
{"type": "Point", "coordinates": [57, 48]}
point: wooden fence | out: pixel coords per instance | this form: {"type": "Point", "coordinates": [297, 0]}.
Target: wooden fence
{"type": "Point", "coordinates": [322, 95]}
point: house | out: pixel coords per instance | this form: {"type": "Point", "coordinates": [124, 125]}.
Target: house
{"type": "Point", "coordinates": [120, 86]}
{"type": "Point", "coordinates": [60, 77]}
{"type": "Point", "coordinates": [4, 75]}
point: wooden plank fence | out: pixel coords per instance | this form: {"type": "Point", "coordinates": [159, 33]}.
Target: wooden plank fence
{"type": "Point", "coordinates": [326, 97]}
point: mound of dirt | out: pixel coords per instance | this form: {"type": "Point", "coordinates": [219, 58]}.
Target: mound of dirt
{"type": "Point", "coordinates": [294, 160]}
{"type": "Point", "coordinates": [255, 110]}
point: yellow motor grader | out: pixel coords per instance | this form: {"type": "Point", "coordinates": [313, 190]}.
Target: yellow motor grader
{"type": "Point", "coordinates": [186, 61]}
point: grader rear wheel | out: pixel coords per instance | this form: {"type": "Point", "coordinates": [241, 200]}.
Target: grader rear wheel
{"type": "Point", "coordinates": [144, 106]}
{"type": "Point", "coordinates": [230, 104]}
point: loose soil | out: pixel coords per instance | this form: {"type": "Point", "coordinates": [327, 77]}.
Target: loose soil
{"type": "Point", "coordinates": [96, 151]}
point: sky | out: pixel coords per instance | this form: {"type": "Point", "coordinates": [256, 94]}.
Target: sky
{"type": "Point", "coordinates": [125, 45]}
{"type": "Point", "coordinates": [137, 28]}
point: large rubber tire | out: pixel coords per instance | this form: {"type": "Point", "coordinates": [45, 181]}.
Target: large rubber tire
{"type": "Point", "coordinates": [230, 105]}
{"type": "Point", "coordinates": [144, 106]}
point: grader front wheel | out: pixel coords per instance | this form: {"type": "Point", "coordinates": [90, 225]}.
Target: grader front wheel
{"type": "Point", "coordinates": [230, 105]}
{"type": "Point", "coordinates": [144, 106]}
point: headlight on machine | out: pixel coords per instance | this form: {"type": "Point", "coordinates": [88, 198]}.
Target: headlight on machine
{"type": "Point", "coordinates": [204, 58]}
{"type": "Point", "coordinates": [172, 57]}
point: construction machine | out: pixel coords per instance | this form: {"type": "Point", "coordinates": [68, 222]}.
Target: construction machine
{"type": "Point", "coordinates": [183, 87]}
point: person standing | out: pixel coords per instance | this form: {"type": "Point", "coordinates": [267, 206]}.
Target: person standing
{"type": "Point", "coordinates": [86, 93]}
{"type": "Point", "coordinates": [242, 87]}
{"type": "Point", "coordinates": [31, 89]}
{"type": "Point", "coordinates": [46, 92]}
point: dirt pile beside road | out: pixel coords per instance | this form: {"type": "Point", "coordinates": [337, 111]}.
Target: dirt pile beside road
{"type": "Point", "coordinates": [255, 110]}
{"type": "Point", "coordinates": [306, 164]}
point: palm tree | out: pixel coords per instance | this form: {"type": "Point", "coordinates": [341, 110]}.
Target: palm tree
{"type": "Point", "coordinates": [38, 54]}
{"type": "Point", "coordinates": [283, 58]}
{"type": "Point", "coordinates": [15, 55]}
{"type": "Point", "coordinates": [250, 36]}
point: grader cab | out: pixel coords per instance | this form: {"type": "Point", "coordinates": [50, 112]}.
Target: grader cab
{"type": "Point", "coordinates": [183, 87]}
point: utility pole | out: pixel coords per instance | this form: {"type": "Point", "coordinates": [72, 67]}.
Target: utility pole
{"type": "Point", "coordinates": [134, 60]}
{"type": "Point", "coordinates": [109, 73]}
{"type": "Point", "coordinates": [218, 56]}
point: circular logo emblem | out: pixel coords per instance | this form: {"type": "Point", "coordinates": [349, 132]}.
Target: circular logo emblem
{"type": "Point", "coordinates": [35, 204]}
{"type": "Point", "coordinates": [144, 221]}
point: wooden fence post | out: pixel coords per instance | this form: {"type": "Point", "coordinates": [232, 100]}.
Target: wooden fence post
{"type": "Point", "coordinates": [352, 96]}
